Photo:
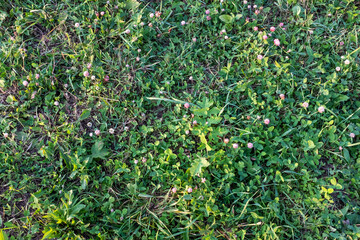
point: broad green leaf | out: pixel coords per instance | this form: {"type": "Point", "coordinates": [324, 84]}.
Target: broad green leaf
{"type": "Point", "coordinates": [187, 197]}
{"type": "Point", "coordinates": [204, 141]}
{"type": "Point", "coordinates": [74, 210]}
{"type": "Point", "coordinates": [198, 165]}
{"type": "Point", "coordinates": [3, 235]}
{"type": "Point", "coordinates": [342, 98]}
{"type": "Point", "coordinates": [277, 64]}
{"type": "Point", "coordinates": [132, 4]}
{"type": "Point", "coordinates": [132, 187]}
{"type": "Point", "coordinates": [310, 53]}
{"type": "Point", "coordinates": [226, 18]}
{"type": "Point", "coordinates": [84, 181]}
{"type": "Point", "coordinates": [238, 16]}
{"type": "Point", "coordinates": [48, 234]}
{"type": "Point", "coordinates": [311, 144]}
{"type": "Point", "coordinates": [346, 154]}
{"type": "Point", "coordinates": [10, 99]}
{"type": "Point", "coordinates": [206, 103]}
{"type": "Point", "coordinates": [333, 181]}
{"type": "Point", "coordinates": [296, 10]}
{"type": "Point", "coordinates": [3, 16]}
{"type": "Point", "coordinates": [201, 112]}
{"type": "Point", "coordinates": [344, 210]}
{"type": "Point", "coordinates": [219, 132]}
{"type": "Point", "coordinates": [85, 114]}
{"type": "Point", "coordinates": [214, 111]}
{"type": "Point", "coordinates": [279, 177]}
{"type": "Point", "coordinates": [214, 120]}
{"type": "Point", "coordinates": [145, 195]}
{"type": "Point", "coordinates": [338, 186]}
{"type": "Point", "coordinates": [254, 215]}
{"type": "Point", "coordinates": [98, 151]}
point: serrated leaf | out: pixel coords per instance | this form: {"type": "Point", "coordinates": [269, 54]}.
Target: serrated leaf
{"type": "Point", "coordinates": [98, 151]}
{"type": "Point", "coordinates": [206, 104]}
{"type": "Point", "coordinates": [201, 112]}
{"type": "Point", "coordinates": [214, 120]}
{"type": "Point", "coordinates": [214, 111]}
{"type": "Point", "coordinates": [197, 166]}
{"type": "Point", "coordinates": [219, 132]}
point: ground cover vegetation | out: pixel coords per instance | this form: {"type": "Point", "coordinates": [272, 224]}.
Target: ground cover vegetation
{"type": "Point", "coordinates": [179, 119]}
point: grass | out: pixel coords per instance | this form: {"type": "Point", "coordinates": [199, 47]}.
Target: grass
{"type": "Point", "coordinates": [118, 121]}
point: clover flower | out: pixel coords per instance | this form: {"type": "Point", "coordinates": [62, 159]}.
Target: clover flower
{"type": "Point", "coordinates": [321, 109]}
